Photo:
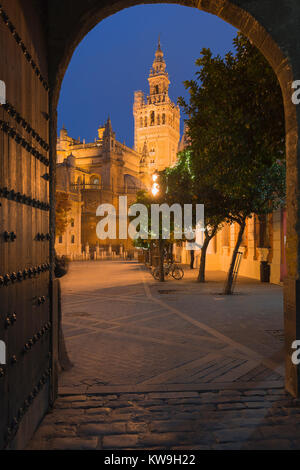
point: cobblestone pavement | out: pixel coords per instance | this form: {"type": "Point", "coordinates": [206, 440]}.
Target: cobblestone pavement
{"type": "Point", "coordinates": [227, 419]}
{"type": "Point", "coordinates": [167, 365]}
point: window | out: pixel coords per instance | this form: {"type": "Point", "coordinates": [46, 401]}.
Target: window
{"type": "Point", "coordinates": [141, 122]}
{"type": "Point", "coordinates": [156, 89]}
{"type": "Point", "coordinates": [152, 118]}
{"type": "Point", "coordinates": [73, 239]}
{"type": "Point", "coordinates": [146, 122]}
{"type": "Point", "coordinates": [163, 118]}
{"type": "Point", "coordinates": [158, 119]}
{"type": "Point", "coordinates": [72, 223]}
{"type": "Point", "coordinates": [60, 239]}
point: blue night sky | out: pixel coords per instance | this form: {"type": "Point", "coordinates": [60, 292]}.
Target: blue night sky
{"type": "Point", "coordinates": [114, 60]}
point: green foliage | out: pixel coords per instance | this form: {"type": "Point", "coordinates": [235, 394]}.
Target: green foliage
{"type": "Point", "coordinates": [236, 131]}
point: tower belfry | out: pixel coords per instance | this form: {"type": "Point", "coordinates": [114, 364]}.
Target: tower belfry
{"type": "Point", "coordinates": [158, 78]}
{"type": "Point", "coordinates": [157, 119]}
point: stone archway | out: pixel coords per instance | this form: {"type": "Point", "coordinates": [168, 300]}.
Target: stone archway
{"type": "Point", "coordinates": [260, 23]}
{"type": "Point", "coordinates": [38, 38]}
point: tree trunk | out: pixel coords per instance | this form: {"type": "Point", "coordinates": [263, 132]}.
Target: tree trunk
{"type": "Point", "coordinates": [192, 259]}
{"type": "Point", "coordinates": [201, 273]}
{"type": "Point", "coordinates": [161, 260]}
{"type": "Point", "coordinates": [207, 239]}
{"type": "Point", "coordinates": [171, 252]}
{"type": "Point", "coordinates": [228, 287]}
{"type": "Point", "coordinates": [151, 254]}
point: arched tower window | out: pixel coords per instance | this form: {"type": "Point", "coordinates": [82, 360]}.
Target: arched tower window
{"type": "Point", "coordinates": [163, 118]}
{"type": "Point", "coordinates": [146, 123]}
{"type": "Point", "coordinates": [156, 89]}
{"type": "Point", "coordinates": [152, 118]}
{"type": "Point", "coordinates": [158, 119]}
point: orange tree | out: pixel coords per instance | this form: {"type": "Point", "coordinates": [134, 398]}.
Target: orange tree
{"type": "Point", "coordinates": [236, 131]}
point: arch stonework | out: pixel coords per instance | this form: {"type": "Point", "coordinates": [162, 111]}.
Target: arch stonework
{"type": "Point", "coordinates": [51, 30]}
{"type": "Point", "coordinates": [273, 27]}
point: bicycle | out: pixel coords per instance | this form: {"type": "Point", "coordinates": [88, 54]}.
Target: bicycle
{"type": "Point", "coordinates": [169, 269]}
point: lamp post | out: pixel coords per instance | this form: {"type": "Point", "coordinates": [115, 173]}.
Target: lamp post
{"type": "Point", "coordinates": [155, 189]}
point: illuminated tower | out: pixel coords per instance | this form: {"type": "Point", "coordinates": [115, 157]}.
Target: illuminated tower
{"type": "Point", "coordinates": [157, 119]}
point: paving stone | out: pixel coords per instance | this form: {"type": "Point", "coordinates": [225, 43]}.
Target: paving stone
{"type": "Point", "coordinates": [227, 446]}
{"type": "Point", "coordinates": [147, 403]}
{"type": "Point", "coordinates": [232, 393]}
{"type": "Point", "coordinates": [171, 426]}
{"type": "Point", "coordinates": [50, 431]}
{"type": "Point", "coordinates": [74, 443]}
{"type": "Point", "coordinates": [252, 413]}
{"type": "Point", "coordinates": [296, 444]}
{"type": "Point", "coordinates": [111, 397]}
{"type": "Point", "coordinates": [254, 399]}
{"type": "Point", "coordinates": [117, 404]}
{"type": "Point", "coordinates": [255, 393]}
{"type": "Point", "coordinates": [207, 395]}
{"type": "Point", "coordinates": [268, 444]}
{"type": "Point", "coordinates": [237, 435]}
{"type": "Point", "coordinates": [231, 406]}
{"type": "Point", "coordinates": [134, 428]}
{"type": "Point", "coordinates": [183, 401]}
{"type": "Point", "coordinates": [276, 398]}
{"type": "Point", "coordinates": [101, 411]}
{"type": "Point", "coordinates": [96, 398]}
{"type": "Point", "coordinates": [101, 428]}
{"type": "Point", "coordinates": [123, 441]}
{"type": "Point", "coordinates": [194, 408]}
{"type": "Point", "coordinates": [226, 399]}
{"type": "Point", "coordinates": [65, 417]}
{"type": "Point", "coordinates": [133, 396]}
{"type": "Point", "coordinates": [258, 404]}
{"type": "Point", "coordinates": [154, 416]}
{"type": "Point", "coordinates": [277, 391]}
{"type": "Point", "coordinates": [279, 431]}
{"type": "Point", "coordinates": [167, 395]}
{"type": "Point", "coordinates": [72, 398]}
{"type": "Point", "coordinates": [193, 447]}
{"type": "Point", "coordinates": [164, 439]}
{"type": "Point", "coordinates": [122, 417]}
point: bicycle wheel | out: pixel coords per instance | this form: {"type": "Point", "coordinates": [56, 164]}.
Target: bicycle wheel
{"type": "Point", "coordinates": [177, 273]}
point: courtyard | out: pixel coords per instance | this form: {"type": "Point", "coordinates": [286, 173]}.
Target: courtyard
{"type": "Point", "coordinates": [173, 365]}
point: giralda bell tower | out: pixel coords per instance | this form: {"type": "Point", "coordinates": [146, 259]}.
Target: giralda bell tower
{"type": "Point", "coordinates": [156, 118]}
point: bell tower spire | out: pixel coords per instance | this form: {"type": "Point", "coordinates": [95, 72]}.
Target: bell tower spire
{"type": "Point", "coordinates": [158, 78]}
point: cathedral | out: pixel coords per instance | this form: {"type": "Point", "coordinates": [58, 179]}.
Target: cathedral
{"type": "Point", "coordinates": [99, 172]}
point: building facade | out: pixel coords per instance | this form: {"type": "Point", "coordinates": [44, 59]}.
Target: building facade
{"type": "Point", "coordinates": [101, 171]}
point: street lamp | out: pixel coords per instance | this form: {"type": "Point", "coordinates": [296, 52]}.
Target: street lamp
{"type": "Point", "coordinates": [155, 185]}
